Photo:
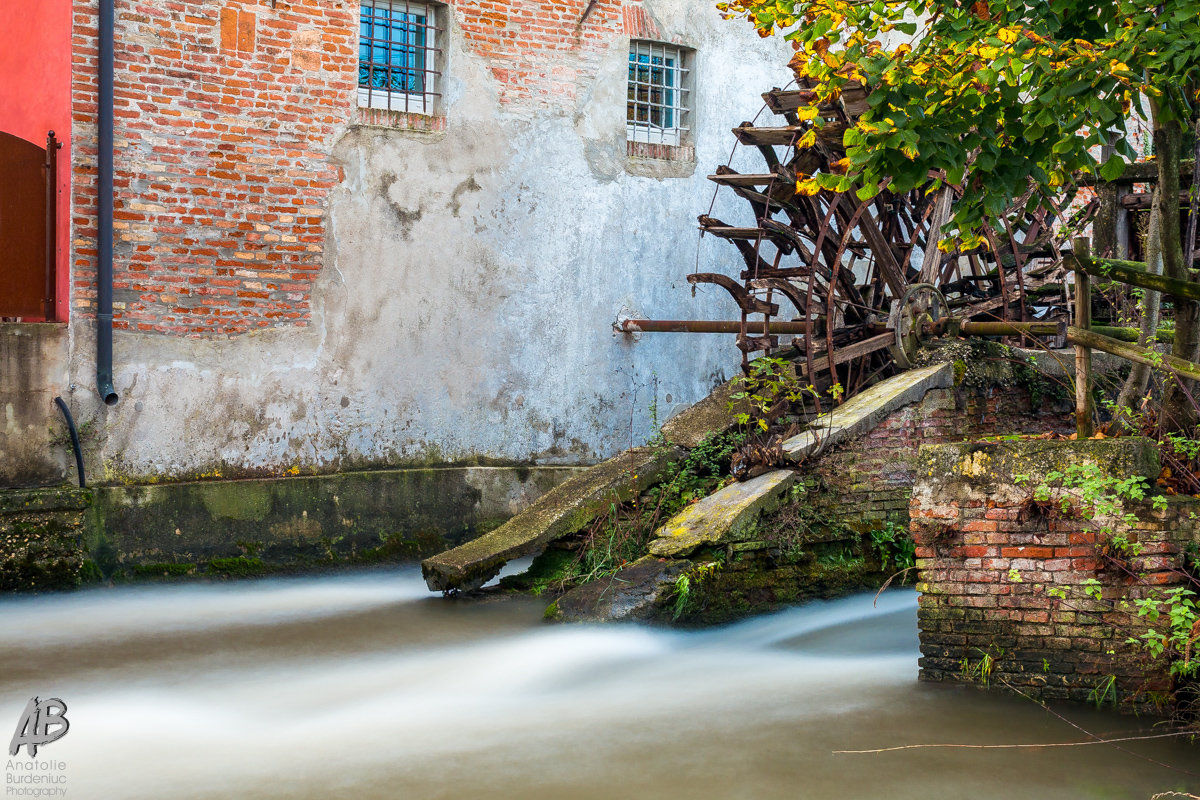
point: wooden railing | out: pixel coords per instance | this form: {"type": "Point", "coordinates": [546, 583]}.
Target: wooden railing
{"type": "Point", "coordinates": [1132, 273]}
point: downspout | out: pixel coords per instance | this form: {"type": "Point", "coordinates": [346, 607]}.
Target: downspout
{"type": "Point", "coordinates": [104, 267]}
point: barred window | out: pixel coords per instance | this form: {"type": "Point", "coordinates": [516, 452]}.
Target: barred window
{"type": "Point", "coordinates": [399, 51]}
{"type": "Point", "coordinates": [658, 105]}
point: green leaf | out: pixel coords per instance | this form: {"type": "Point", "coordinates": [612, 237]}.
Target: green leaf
{"type": "Point", "coordinates": [1113, 168]}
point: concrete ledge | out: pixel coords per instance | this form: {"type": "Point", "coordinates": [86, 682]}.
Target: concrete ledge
{"type": "Point", "coordinates": [864, 411]}
{"type": "Point", "coordinates": [722, 516]}
{"type": "Point", "coordinates": [562, 511]}
{"type": "Point", "coordinates": [18, 501]}
{"type": "Point", "coordinates": [403, 514]}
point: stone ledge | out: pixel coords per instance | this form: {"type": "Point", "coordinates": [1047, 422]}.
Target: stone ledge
{"type": "Point", "coordinates": [994, 464]}
{"type": "Point", "coordinates": [721, 517]}
{"type": "Point", "coordinates": [861, 413]}
{"type": "Point", "coordinates": [561, 511]}
{"type": "Point", "coordinates": [22, 501]}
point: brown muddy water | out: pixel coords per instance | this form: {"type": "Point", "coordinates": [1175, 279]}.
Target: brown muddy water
{"type": "Point", "coordinates": [365, 686]}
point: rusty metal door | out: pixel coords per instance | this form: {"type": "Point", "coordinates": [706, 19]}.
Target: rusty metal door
{"type": "Point", "coordinates": [24, 230]}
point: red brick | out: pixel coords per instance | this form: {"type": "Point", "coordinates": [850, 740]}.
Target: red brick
{"type": "Point", "coordinates": [1027, 552]}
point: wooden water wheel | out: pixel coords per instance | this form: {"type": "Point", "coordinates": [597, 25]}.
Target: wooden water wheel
{"type": "Point", "coordinates": [842, 271]}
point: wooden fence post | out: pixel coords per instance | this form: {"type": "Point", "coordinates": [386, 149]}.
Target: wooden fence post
{"type": "Point", "coordinates": [1083, 354]}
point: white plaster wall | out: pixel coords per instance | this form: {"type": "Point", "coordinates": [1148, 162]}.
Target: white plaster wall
{"type": "Point", "coordinates": [471, 283]}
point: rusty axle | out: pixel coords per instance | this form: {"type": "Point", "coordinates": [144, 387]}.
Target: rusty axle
{"type": "Point", "coordinates": [707, 326]}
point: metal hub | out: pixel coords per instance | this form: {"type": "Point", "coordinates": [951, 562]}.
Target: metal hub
{"type": "Point", "coordinates": [915, 320]}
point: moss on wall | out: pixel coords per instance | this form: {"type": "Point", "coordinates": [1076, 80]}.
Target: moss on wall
{"type": "Point", "coordinates": [60, 538]}
{"type": "Point", "coordinates": [40, 539]}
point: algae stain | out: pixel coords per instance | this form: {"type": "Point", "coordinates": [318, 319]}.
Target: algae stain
{"type": "Point", "coordinates": [244, 502]}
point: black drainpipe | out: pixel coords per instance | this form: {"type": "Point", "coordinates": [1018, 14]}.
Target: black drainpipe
{"type": "Point", "coordinates": [104, 277]}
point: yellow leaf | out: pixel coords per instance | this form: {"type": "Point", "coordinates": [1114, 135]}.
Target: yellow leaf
{"type": "Point", "coordinates": [806, 113]}
{"type": "Point", "coordinates": [1008, 35]}
{"type": "Point", "coordinates": [920, 68]}
{"type": "Point", "coordinates": [807, 187]}
{"type": "Point", "coordinates": [808, 139]}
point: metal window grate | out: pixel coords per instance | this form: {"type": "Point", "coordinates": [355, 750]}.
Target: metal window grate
{"type": "Point", "coordinates": [398, 56]}
{"type": "Point", "coordinates": [657, 106]}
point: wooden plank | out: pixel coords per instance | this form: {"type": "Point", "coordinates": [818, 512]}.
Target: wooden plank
{"type": "Point", "coordinates": [1133, 273]}
{"type": "Point", "coordinates": [741, 295]}
{"type": "Point", "coordinates": [1140, 201]}
{"type": "Point", "coordinates": [1131, 352]}
{"type": "Point", "coordinates": [848, 352]}
{"type": "Point", "coordinates": [747, 234]}
{"type": "Point", "coordinates": [1139, 172]}
{"type": "Point", "coordinates": [786, 135]}
{"type": "Point", "coordinates": [1083, 356]}
{"type": "Point", "coordinates": [736, 179]}
{"type": "Point", "coordinates": [781, 101]}
{"type": "Point", "coordinates": [881, 248]}
{"type": "Point", "coordinates": [932, 261]}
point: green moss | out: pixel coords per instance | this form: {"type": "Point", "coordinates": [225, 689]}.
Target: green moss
{"type": "Point", "coordinates": [237, 567]}
{"type": "Point", "coordinates": [552, 567]}
{"type": "Point", "coordinates": [393, 549]}
{"type": "Point", "coordinates": [90, 573]}
{"type": "Point", "coordinates": [162, 570]}
{"type": "Point", "coordinates": [245, 501]}
{"type": "Point", "coordinates": [960, 372]}
{"type": "Point", "coordinates": [551, 612]}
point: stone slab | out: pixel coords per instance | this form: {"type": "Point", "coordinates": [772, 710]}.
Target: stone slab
{"type": "Point", "coordinates": [722, 516]}
{"type": "Point", "coordinates": [632, 593]}
{"type": "Point", "coordinates": [564, 510]}
{"type": "Point", "coordinates": [864, 411]}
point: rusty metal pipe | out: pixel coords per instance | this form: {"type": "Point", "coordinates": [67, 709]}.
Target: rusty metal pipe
{"type": "Point", "coordinates": [707, 326]}
{"type": "Point", "coordinates": [1013, 328]}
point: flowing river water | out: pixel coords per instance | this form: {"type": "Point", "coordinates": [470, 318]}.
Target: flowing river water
{"type": "Point", "coordinates": [365, 686]}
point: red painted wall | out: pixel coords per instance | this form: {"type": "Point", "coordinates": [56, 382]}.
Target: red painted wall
{"type": "Point", "coordinates": [35, 97]}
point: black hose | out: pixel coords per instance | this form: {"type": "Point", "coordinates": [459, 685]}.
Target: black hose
{"type": "Point", "coordinates": [58, 401]}
{"type": "Point", "coordinates": [104, 265]}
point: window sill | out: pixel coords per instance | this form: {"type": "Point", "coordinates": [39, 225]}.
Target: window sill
{"type": "Point", "coordinates": [401, 120]}
{"type": "Point", "coordinates": [647, 160]}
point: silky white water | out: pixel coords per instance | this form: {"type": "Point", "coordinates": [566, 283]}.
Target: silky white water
{"type": "Point", "coordinates": [365, 686]}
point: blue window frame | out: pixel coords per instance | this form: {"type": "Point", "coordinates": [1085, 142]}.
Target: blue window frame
{"type": "Point", "coordinates": [657, 106]}
{"type": "Point", "coordinates": [397, 55]}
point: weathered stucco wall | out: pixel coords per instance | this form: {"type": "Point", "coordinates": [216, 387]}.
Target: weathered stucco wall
{"type": "Point", "coordinates": [462, 311]}
{"type": "Point", "coordinates": [33, 369]}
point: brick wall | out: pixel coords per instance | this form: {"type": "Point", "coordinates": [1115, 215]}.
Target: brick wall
{"type": "Point", "coordinates": [537, 51]}
{"type": "Point", "coordinates": [870, 480]}
{"type": "Point", "coordinates": [226, 114]}
{"type": "Point", "coordinates": [990, 565]}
